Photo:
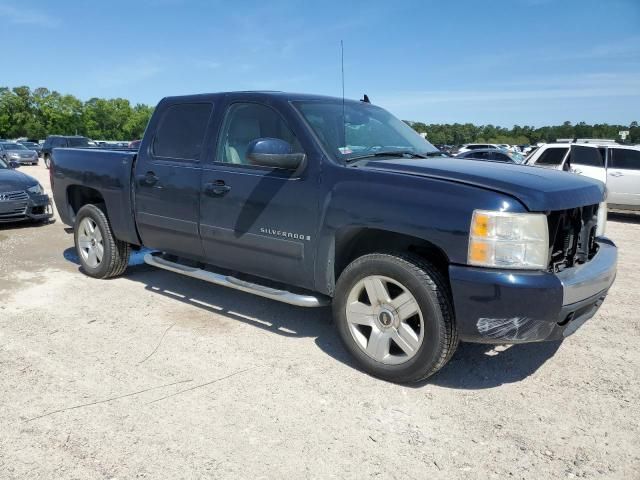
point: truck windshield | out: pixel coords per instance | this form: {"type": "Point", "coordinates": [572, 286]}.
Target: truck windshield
{"type": "Point", "coordinates": [364, 130]}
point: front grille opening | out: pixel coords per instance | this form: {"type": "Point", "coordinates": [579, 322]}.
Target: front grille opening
{"type": "Point", "coordinates": [37, 211]}
{"type": "Point", "coordinates": [572, 237]}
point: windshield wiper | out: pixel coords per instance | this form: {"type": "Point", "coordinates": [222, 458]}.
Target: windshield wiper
{"type": "Point", "coordinates": [392, 153]}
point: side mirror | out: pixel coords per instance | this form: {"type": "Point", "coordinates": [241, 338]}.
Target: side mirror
{"type": "Point", "coordinates": [275, 153]}
{"type": "Point", "coordinates": [14, 164]}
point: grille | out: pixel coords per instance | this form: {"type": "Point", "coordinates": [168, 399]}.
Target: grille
{"type": "Point", "coordinates": [13, 196]}
{"type": "Point", "coordinates": [572, 237]}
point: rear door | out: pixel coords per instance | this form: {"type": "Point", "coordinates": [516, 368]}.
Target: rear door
{"type": "Point", "coordinates": [623, 177]}
{"type": "Point", "coordinates": [586, 160]}
{"type": "Point", "coordinates": [255, 219]}
{"type": "Point", "coordinates": [167, 178]}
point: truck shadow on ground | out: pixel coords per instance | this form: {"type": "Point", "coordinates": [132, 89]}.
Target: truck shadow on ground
{"type": "Point", "coordinates": [624, 217]}
{"type": "Point", "coordinates": [472, 367]}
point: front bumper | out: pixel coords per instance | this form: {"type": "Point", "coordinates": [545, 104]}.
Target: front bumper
{"type": "Point", "coordinates": [503, 306]}
{"type": "Point", "coordinates": [34, 208]}
{"type": "Point", "coordinates": [28, 161]}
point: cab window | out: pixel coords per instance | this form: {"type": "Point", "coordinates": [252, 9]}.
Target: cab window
{"type": "Point", "coordinates": [246, 122]}
{"type": "Point", "coordinates": [181, 131]}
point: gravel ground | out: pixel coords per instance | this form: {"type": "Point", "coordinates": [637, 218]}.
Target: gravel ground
{"type": "Point", "coordinates": [154, 375]}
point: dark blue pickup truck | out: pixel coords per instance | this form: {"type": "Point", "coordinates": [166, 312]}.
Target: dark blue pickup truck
{"type": "Point", "coordinates": [310, 201]}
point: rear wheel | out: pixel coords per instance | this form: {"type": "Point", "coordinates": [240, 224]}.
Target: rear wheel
{"type": "Point", "coordinates": [101, 254]}
{"type": "Point", "coordinates": [394, 315]}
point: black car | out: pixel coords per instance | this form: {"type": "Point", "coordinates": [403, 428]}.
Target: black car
{"type": "Point", "coordinates": [21, 196]}
{"type": "Point", "coordinates": [493, 155]}
{"type": "Point", "coordinates": [61, 141]}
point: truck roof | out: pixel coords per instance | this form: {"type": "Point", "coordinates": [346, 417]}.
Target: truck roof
{"type": "Point", "coordinates": [286, 96]}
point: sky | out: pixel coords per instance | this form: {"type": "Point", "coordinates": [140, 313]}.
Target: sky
{"type": "Point", "coordinates": [525, 62]}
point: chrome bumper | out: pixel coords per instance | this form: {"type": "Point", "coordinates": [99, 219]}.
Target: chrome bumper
{"type": "Point", "coordinates": [591, 278]}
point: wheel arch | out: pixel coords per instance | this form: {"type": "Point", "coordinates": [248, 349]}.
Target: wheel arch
{"type": "Point", "coordinates": [79, 195]}
{"type": "Point", "coordinates": [353, 242]}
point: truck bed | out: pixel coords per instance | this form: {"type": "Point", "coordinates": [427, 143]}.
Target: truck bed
{"type": "Point", "coordinates": [102, 172]}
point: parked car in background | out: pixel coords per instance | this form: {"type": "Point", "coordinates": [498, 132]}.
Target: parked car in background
{"type": "Point", "coordinates": [310, 200]}
{"type": "Point", "coordinates": [493, 155]}
{"type": "Point", "coordinates": [11, 151]}
{"type": "Point", "coordinates": [21, 196]}
{"type": "Point", "coordinates": [61, 141]}
{"type": "Point", "coordinates": [618, 166]}
{"type": "Point", "coordinates": [35, 146]}
{"type": "Point", "coordinates": [475, 146]}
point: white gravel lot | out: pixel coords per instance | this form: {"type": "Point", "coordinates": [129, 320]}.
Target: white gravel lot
{"type": "Point", "coordinates": [154, 375]}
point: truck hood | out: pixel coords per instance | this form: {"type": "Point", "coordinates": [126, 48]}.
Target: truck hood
{"type": "Point", "coordinates": [539, 189]}
{"type": "Point", "coordinates": [11, 181]}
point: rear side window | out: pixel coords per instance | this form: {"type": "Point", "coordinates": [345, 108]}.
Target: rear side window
{"type": "Point", "coordinates": [625, 159]}
{"type": "Point", "coordinates": [587, 156]}
{"type": "Point", "coordinates": [181, 130]}
{"type": "Point", "coordinates": [499, 156]}
{"type": "Point", "coordinates": [552, 156]}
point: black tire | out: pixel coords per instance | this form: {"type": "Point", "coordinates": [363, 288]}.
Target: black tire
{"type": "Point", "coordinates": [47, 161]}
{"type": "Point", "coordinates": [431, 292]}
{"type": "Point", "coordinates": [116, 252]}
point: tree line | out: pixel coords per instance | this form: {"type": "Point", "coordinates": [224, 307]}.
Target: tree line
{"type": "Point", "coordinates": [41, 112]}
{"type": "Point", "coordinates": [458, 134]}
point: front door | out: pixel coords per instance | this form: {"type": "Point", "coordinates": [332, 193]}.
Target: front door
{"type": "Point", "coordinates": [588, 161]}
{"type": "Point", "coordinates": [167, 179]}
{"type": "Point", "coordinates": [623, 177]}
{"type": "Point", "coordinates": [254, 219]}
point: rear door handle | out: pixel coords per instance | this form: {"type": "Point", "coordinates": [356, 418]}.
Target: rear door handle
{"type": "Point", "coordinates": [616, 174]}
{"type": "Point", "coordinates": [216, 189]}
{"type": "Point", "coordinates": [149, 179]}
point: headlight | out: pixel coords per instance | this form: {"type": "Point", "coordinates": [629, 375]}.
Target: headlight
{"type": "Point", "coordinates": [36, 189]}
{"type": "Point", "coordinates": [509, 240]}
{"type": "Point", "coordinates": [14, 155]}
{"type": "Point", "coordinates": [601, 219]}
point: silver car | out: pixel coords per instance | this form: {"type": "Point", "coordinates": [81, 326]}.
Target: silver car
{"type": "Point", "coordinates": [10, 151]}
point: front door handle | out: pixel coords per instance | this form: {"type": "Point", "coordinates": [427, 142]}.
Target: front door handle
{"type": "Point", "coordinates": [216, 189]}
{"type": "Point", "coordinates": [616, 174]}
{"type": "Point", "coordinates": [149, 179]}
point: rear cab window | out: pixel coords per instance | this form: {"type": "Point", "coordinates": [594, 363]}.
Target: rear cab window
{"type": "Point", "coordinates": [181, 131]}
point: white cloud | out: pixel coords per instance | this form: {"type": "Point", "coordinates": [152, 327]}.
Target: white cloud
{"type": "Point", "coordinates": [25, 16]}
{"type": "Point", "coordinates": [593, 85]}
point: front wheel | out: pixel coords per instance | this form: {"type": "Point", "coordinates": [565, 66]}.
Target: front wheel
{"type": "Point", "coordinates": [101, 254]}
{"type": "Point", "coordinates": [394, 315]}
{"type": "Point", "coordinates": [47, 161]}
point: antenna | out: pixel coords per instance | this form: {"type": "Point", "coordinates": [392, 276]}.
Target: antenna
{"type": "Point", "coordinates": [344, 120]}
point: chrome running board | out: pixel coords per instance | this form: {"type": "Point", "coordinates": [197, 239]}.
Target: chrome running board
{"type": "Point", "coordinates": [242, 285]}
